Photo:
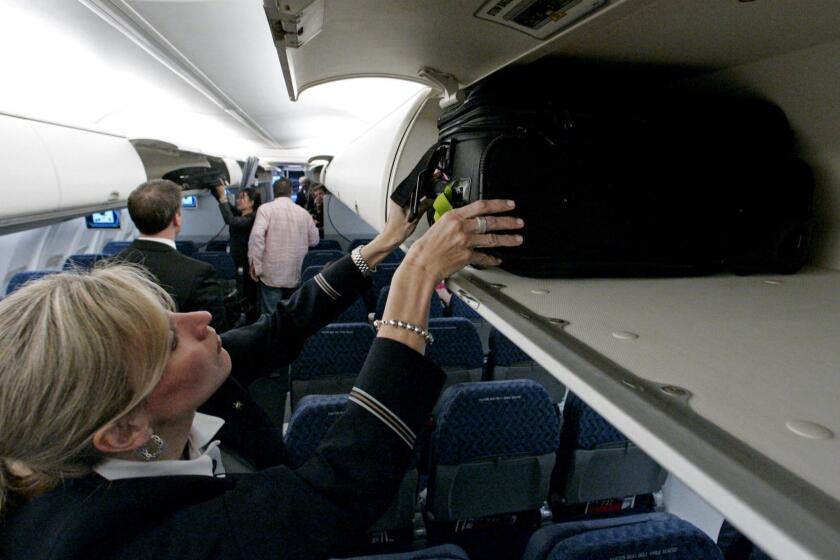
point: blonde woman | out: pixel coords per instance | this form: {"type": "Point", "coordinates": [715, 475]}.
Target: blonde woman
{"type": "Point", "coordinates": [104, 455]}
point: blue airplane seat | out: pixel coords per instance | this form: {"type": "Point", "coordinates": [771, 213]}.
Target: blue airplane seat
{"type": "Point", "coordinates": [315, 258]}
{"type": "Point", "coordinates": [186, 247]}
{"type": "Point", "coordinates": [381, 278]}
{"type": "Point", "coordinates": [456, 349]}
{"type": "Point", "coordinates": [435, 307]}
{"type": "Point", "coordinates": [356, 242]}
{"type": "Point", "coordinates": [395, 256]}
{"type": "Point", "coordinates": [327, 245]}
{"type": "Point", "coordinates": [222, 262]}
{"type": "Point", "coordinates": [330, 360]}
{"type": "Point", "coordinates": [653, 535]}
{"type": "Point", "coordinates": [83, 261]}
{"type": "Point", "coordinates": [356, 313]}
{"type": "Point", "coordinates": [736, 546]}
{"type": "Point", "coordinates": [310, 272]}
{"type": "Point", "coordinates": [597, 462]}
{"type": "Point", "coordinates": [114, 247]}
{"type": "Point", "coordinates": [313, 417]}
{"type": "Point", "coordinates": [505, 360]}
{"type": "Point", "coordinates": [21, 278]}
{"type": "Point", "coordinates": [443, 552]}
{"type": "Point", "coordinates": [492, 450]}
{"type": "Point", "coordinates": [458, 308]}
{"type": "Point", "coordinates": [217, 245]}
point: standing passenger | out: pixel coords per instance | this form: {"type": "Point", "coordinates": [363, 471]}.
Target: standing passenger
{"type": "Point", "coordinates": [155, 208]}
{"type": "Point", "coordinates": [282, 234]}
{"type": "Point", "coordinates": [240, 221]}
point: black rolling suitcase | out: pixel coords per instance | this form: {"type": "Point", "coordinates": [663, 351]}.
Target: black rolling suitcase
{"type": "Point", "coordinates": [680, 185]}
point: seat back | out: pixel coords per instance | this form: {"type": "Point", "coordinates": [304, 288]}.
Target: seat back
{"type": "Point", "coordinates": [330, 360]}
{"type": "Point", "coordinates": [656, 535]}
{"type": "Point", "coordinates": [83, 261]}
{"type": "Point", "coordinates": [597, 462]}
{"type": "Point", "coordinates": [217, 245]}
{"type": "Point", "coordinates": [435, 306]}
{"type": "Point", "coordinates": [114, 247]}
{"type": "Point", "coordinates": [186, 247]}
{"type": "Point", "coordinates": [327, 245]}
{"type": "Point", "coordinates": [492, 450]}
{"type": "Point", "coordinates": [506, 360]}
{"type": "Point", "coordinates": [381, 278]}
{"type": "Point", "coordinates": [356, 313]}
{"type": "Point", "coordinates": [356, 242]}
{"type": "Point", "coordinates": [396, 256]}
{"type": "Point", "coordinates": [310, 272]}
{"type": "Point", "coordinates": [315, 258]}
{"type": "Point", "coordinates": [222, 262]}
{"type": "Point", "coordinates": [21, 278]}
{"type": "Point", "coordinates": [442, 552]}
{"type": "Point", "coordinates": [457, 349]}
{"type": "Point", "coordinates": [309, 423]}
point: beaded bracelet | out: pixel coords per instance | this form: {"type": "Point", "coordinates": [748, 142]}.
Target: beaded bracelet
{"type": "Point", "coordinates": [408, 326]}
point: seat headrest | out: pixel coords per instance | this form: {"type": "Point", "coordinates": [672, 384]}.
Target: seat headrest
{"type": "Point", "coordinates": [495, 419]}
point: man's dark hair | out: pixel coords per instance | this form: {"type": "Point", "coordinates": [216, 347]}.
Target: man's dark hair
{"type": "Point", "coordinates": [153, 205]}
{"type": "Point", "coordinates": [282, 187]}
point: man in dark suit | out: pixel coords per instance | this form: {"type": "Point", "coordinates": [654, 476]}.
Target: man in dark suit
{"type": "Point", "coordinates": [155, 208]}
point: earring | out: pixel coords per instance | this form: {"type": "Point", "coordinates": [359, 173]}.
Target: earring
{"type": "Point", "coordinates": [152, 450]}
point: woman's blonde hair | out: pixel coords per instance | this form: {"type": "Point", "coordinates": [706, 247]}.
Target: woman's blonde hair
{"type": "Point", "coordinates": [77, 350]}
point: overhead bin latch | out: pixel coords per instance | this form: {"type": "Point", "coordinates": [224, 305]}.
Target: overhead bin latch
{"type": "Point", "coordinates": [452, 94]}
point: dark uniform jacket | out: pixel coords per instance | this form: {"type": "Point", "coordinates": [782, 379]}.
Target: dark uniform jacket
{"type": "Point", "coordinates": [277, 513]}
{"type": "Point", "coordinates": [240, 231]}
{"type": "Point", "coordinates": [191, 283]}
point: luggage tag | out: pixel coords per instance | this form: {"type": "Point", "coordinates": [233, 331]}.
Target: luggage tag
{"type": "Point", "coordinates": [454, 195]}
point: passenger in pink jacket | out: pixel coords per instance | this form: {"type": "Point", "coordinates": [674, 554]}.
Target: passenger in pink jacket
{"type": "Point", "coordinates": [283, 233]}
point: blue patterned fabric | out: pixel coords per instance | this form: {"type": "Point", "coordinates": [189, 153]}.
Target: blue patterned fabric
{"type": "Point", "coordinates": [217, 245]}
{"type": "Point", "coordinates": [457, 308]}
{"type": "Point", "coordinates": [315, 258]}
{"type": "Point", "coordinates": [21, 278]}
{"type": "Point", "coordinates": [310, 272]}
{"type": "Point", "coordinates": [222, 262]}
{"type": "Point", "coordinates": [494, 419]}
{"type": "Point", "coordinates": [443, 552]}
{"type": "Point", "coordinates": [114, 247]}
{"type": "Point", "coordinates": [356, 313]}
{"type": "Point", "coordinates": [338, 349]}
{"type": "Point", "coordinates": [457, 344]}
{"type": "Point", "coordinates": [583, 428]}
{"type": "Point", "coordinates": [356, 242]}
{"type": "Point", "coordinates": [84, 262]}
{"type": "Point", "coordinates": [663, 536]}
{"type": "Point", "coordinates": [310, 421]}
{"type": "Point", "coordinates": [381, 278]}
{"type": "Point", "coordinates": [435, 306]}
{"type": "Point", "coordinates": [505, 352]}
{"type": "Point", "coordinates": [327, 245]}
{"type": "Point", "coordinates": [396, 256]}
{"type": "Point", "coordinates": [186, 247]}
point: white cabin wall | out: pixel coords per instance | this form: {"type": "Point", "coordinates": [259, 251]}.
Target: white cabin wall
{"type": "Point", "coordinates": [342, 224]}
{"type": "Point", "coordinates": [806, 84]}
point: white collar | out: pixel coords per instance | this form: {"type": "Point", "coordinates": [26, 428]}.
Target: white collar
{"type": "Point", "coordinates": [205, 457]}
{"type": "Point", "coordinates": [160, 240]}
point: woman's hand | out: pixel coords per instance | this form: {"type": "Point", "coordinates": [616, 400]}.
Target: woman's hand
{"type": "Point", "coordinates": [220, 191]}
{"type": "Point", "coordinates": [397, 229]}
{"type": "Point", "coordinates": [451, 243]}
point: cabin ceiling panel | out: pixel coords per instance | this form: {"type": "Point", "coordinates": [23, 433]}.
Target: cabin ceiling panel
{"type": "Point", "coordinates": [707, 33]}
{"type": "Point", "coordinates": [229, 41]}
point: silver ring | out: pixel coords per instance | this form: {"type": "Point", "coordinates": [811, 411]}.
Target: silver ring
{"type": "Point", "coordinates": [482, 225]}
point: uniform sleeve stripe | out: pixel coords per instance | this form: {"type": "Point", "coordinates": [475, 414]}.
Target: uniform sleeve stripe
{"type": "Point", "coordinates": [373, 411]}
{"type": "Point", "coordinates": [393, 419]}
{"type": "Point", "coordinates": [324, 285]}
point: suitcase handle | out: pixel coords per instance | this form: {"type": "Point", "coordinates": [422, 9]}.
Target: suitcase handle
{"type": "Point", "coordinates": [420, 182]}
